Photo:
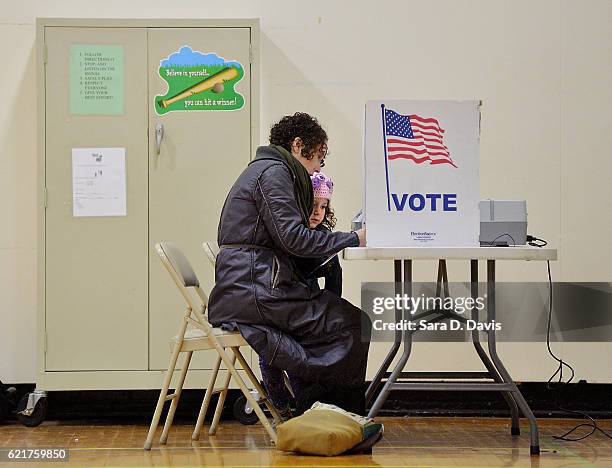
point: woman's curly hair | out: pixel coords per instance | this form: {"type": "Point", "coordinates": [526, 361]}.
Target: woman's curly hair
{"type": "Point", "coordinates": [298, 125]}
{"type": "Point", "coordinates": [329, 220]}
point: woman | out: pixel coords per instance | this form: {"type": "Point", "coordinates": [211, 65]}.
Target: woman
{"type": "Point", "coordinates": [313, 334]}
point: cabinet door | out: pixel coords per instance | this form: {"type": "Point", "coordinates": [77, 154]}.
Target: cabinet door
{"type": "Point", "coordinates": [206, 144]}
{"type": "Point", "coordinates": [96, 269]}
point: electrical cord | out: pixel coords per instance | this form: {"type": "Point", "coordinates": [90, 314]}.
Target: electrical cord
{"type": "Point", "coordinates": [498, 237]}
{"type": "Point", "coordinates": [593, 424]}
{"type": "Point", "coordinates": [531, 240]}
{"type": "Point", "coordinates": [560, 361]}
{"type": "Point", "coordinates": [535, 242]}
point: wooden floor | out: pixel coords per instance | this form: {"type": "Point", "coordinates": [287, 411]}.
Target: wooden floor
{"type": "Point", "coordinates": [418, 442]}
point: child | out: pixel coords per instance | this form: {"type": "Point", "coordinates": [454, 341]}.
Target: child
{"type": "Point", "coordinates": [322, 218]}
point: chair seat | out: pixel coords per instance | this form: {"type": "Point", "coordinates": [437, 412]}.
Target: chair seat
{"type": "Point", "coordinates": [197, 340]}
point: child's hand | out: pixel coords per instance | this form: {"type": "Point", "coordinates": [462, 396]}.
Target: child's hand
{"type": "Point", "coordinates": [362, 237]}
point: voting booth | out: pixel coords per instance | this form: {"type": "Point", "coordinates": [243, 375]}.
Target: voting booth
{"type": "Point", "coordinates": [422, 173]}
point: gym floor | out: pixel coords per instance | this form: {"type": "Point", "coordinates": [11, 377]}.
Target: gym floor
{"type": "Point", "coordinates": [432, 441]}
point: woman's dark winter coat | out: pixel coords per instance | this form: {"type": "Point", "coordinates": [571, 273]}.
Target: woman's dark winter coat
{"type": "Point", "coordinates": [316, 335]}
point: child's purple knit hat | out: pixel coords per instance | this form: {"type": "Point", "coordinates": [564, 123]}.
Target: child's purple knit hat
{"type": "Point", "coordinates": [322, 185]}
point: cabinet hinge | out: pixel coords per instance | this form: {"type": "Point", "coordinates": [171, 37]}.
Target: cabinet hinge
{"type": "Point", "coordinates": [44, 54]}
{"type": "Point", "coordinates": [45, 197]}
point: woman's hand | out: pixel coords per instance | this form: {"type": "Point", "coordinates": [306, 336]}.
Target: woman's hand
{"type": "Point", "coordinates": [362, 237]}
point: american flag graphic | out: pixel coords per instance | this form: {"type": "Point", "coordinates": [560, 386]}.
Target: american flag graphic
{"type": "Point", "coordinates": [416, 138]}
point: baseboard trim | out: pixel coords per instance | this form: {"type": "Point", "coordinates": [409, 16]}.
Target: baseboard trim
{"type": "Point", "coordinates": [136, 406]}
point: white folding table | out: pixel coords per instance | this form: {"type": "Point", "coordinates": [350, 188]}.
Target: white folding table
{"type": "Point", "coordinates": [496, 377]}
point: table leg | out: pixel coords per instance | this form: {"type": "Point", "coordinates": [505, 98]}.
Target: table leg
{"type": "Point", "coordinates": [375, 384]}
{"type": "Point", "coordinates": [407, 338]}
{"type": "Point", "coordinates": [492, 345]}
{"type": "Point", "coordinates": [515, 429]}
{"type": "Point", "coordinates": [440, 279]}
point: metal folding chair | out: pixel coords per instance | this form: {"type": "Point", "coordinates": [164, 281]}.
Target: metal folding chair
{"type": "Point", "coordinates": [211, 249]}
{"type": "Point", "coordinates": [196, 334]}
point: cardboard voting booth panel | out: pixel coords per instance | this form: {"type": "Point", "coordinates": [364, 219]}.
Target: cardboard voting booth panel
{"type": "Point", "coordinates": [422, 173]}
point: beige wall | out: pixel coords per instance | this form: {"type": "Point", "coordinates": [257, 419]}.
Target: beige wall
{"type": "Point", "coordinates": [543, 70]}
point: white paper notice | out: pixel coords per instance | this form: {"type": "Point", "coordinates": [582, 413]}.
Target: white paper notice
{"type": "Point", "coordinates": [98, 182]}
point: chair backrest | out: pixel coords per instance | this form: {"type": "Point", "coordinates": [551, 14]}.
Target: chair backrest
{"type": "Point", "coordinates": [211, 249]}
{"type": "Point", "coordinates": [183, 275]}
{"type": "Point", "coordinates": [177, 264]}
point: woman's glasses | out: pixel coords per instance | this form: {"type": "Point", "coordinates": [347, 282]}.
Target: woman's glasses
{"type": "Point", "coordinates": [322, 154]}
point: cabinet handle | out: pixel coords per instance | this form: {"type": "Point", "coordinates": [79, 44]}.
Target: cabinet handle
{"type": "Point", "coordinates": [159, 135]}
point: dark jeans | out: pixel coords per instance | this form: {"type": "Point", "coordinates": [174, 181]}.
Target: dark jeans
{"type": "Point", "coordinates": [306, 394]}
{"type": "Point", "coordinates": [274, 383]}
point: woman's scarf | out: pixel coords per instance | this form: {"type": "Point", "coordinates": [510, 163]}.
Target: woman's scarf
{"type": "Point", "coordinates": [302, 184]}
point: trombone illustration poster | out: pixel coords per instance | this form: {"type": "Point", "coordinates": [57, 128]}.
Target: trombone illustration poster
{"type": "Point", "coordinates": [199, 81]}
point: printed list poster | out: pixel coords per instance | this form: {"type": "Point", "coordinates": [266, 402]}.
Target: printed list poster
{"type": "Point", "coordinates": [96, 79]}
{"type": "Point", "coordinates": [98, 182]}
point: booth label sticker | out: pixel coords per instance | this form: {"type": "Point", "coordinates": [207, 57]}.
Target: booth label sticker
{"type": "Point", "coordinates": [199, 81]}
